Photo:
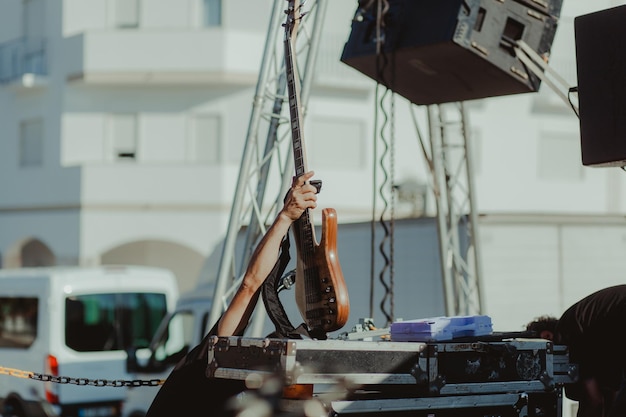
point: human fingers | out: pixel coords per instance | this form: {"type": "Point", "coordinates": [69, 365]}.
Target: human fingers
{"type": "Point", "coordinates": [300, 199]}
{"type": "Point", "coordinates": [306, 189]}
{"type": "Point", "coordinates": [302, 179]}
{"type": "Point", "coordinates": [304, 196]}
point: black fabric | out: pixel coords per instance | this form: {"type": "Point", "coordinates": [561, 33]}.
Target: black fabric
{"type": "Point", "coordinates": [592, 329]}
{"type": "Point", "coordinates": [188, 391]}
{"type": "Point", "coordinates": [269, 292]}
{"type": "Point", "coordinates": [274, 307]}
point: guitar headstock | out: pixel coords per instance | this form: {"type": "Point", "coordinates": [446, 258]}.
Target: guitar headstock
{"type": "Point", "coordinates": [293, 19]}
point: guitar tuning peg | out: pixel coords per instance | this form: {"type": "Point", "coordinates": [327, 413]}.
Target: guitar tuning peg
{"type": "Point", "coordinates": [317, 184]}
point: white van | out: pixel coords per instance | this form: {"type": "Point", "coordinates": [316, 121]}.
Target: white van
{"type": "Point", "coordinates": [77, 323]}
{"type": "Point", "coordinates": [179, 332]}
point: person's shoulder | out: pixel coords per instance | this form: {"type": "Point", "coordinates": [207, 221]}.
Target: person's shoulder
{"type": "Point", "coordinates": [615, 294]}
{"type": "Point", "coordinates": [614, 289]}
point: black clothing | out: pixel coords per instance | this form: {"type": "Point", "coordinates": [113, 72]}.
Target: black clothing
{"type": "Point", "coordinates": [592, 329]}
{"type": "Point", "coordinates": [188, 391]}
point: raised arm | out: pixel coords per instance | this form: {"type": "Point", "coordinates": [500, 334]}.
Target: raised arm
{"type": "Point", "coordinates": [301, 196]}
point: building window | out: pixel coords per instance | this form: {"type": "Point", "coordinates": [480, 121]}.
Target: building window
{"type": "Point", "coordinates": [212, 13]}
{"type": "Point", "coordinates": [127, 13]}
{"type": "Point", "coordinates": [31, 143]}
{"type": "Point", "coordinates": [206, 139]}
{"type": "Point", "coordinates": [124, 136]}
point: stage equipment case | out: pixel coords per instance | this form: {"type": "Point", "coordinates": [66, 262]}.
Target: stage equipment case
{"type": "Point", "coordinates": [482, 375]}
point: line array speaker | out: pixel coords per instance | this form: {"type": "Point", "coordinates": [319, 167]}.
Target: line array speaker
{"type": "Point", "coordinates": [438, 51]}
{"type": "Point", "coordinates": [601, 69]}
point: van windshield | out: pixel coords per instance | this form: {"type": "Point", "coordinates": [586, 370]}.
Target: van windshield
{"type": "Point", "coordinates": [104, 322]}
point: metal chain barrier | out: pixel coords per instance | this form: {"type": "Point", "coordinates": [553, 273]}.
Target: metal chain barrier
{"type": "Point", "coordinates": [81, 381]}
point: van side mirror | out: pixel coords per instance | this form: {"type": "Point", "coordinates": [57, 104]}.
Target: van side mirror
{"type": "Point", "coordinates": [132, 364]}
{"type": "Point", "coordinates": [131, 360]}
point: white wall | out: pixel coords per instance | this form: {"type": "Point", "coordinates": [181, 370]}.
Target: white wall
{"type": "Point", "coordinates": [81, 15]}
{"type": "Point", "coordinates": [11, 27]}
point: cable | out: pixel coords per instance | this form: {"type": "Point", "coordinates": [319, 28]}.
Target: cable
{"type": "Point", "coordinates": [373, 221]}
{"type": "Point", "coordinates": [381, 247]}
{"type": "Point", "coordinates": [381, 66]}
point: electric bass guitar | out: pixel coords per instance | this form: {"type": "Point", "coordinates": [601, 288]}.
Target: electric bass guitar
{"type": "Point", "coordinates": [321, 293]}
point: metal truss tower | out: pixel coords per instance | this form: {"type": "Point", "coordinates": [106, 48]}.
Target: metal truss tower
{"type": "Point", "coordinates": [267, 168]}
{"type": "Point", "coordinates": [453, 185]}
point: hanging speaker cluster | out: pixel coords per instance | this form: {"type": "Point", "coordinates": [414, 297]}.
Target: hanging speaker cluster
{"type": "Point", "coordinates": [438, 51]}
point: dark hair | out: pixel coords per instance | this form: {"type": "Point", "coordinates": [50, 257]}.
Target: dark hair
{"type": "Point", "coordinates": [542, 323]}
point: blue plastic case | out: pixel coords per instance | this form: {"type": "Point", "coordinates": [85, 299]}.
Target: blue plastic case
{"type": "Point", "coordinates": [440, 328]}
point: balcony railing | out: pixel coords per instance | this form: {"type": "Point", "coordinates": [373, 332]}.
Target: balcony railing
{"type": "Point", "coordinates": [22, 56]}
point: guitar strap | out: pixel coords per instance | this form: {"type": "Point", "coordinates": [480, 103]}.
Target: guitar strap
{"type": "Point", "coordinates": [273, 305]}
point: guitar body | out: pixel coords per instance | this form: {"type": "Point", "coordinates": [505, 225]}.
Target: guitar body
{"type": "Point", "coordinates": [321, 292]}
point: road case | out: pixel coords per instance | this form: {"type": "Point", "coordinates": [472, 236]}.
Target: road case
{"type": "Point", "coordinates": [529, 365]}
{"type": "Point", "coordinates": [428, 368]}
{"type": "Point", "coordinates": [548, 404]}
{"type": "Point", "coordinates": [319, 361]}
{"type": "Point", "coordinates": [489, 375]}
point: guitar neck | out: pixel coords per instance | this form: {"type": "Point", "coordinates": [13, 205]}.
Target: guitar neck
{"type": "Point", "coordinates": [305, 228]}
{"type": "Point", "coordinates": [293, 87]}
